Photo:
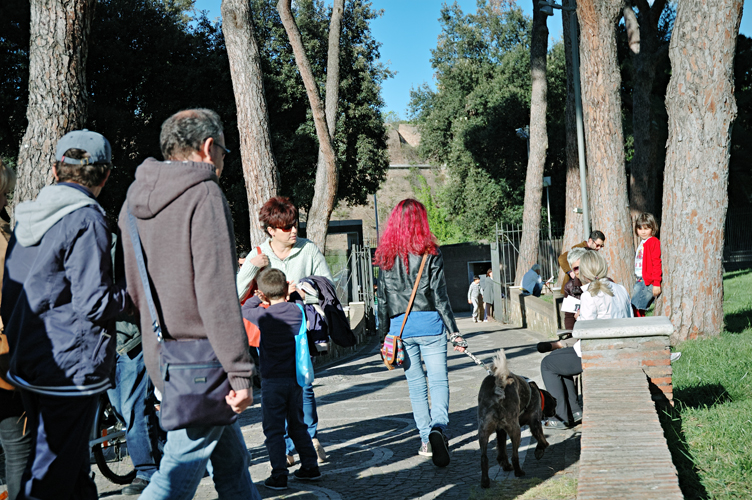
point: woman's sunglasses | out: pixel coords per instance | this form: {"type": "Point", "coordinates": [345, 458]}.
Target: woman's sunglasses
{"type": "Point", "coordinates": [576, 268]}
{"type": "Point", "coordinates": [288, 227]}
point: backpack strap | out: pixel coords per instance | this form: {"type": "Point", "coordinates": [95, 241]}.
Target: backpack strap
{"type": "Point", "coordinates": [415, 290]}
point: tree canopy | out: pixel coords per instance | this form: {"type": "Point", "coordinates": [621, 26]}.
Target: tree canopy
{"type": "Point", "coordinates": [148, 59]}
{"type": "Point", "coordinates": [482, 71]}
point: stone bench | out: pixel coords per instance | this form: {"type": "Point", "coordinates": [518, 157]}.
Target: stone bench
{"type": "Point", "coordinates": [624, 452]}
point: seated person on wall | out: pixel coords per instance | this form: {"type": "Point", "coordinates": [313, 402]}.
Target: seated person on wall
{"type": "Point", "coordinates": [532, 283]}
{"type": "Point", "coordinates": [601, 299]}
{"type": "Point", "coordinates": [595, 242]}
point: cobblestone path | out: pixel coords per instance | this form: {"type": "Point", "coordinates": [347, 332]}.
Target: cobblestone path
{"type": "Point", "coordinates": [367, 428]}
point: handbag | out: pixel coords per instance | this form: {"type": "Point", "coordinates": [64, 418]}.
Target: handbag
{"type": "Point", "coordinates": [303, 364]}
{"type": "Point", "coordinates": [393, 350]}
{"type": "Point", "coordinates": [195, 384]}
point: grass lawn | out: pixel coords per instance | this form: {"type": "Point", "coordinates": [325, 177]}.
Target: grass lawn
{"type": "Point", "coordinates": [710, 430]}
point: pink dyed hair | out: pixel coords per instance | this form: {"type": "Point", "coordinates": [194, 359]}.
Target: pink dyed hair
{"type": "Point", "coordinates": [407, 232]}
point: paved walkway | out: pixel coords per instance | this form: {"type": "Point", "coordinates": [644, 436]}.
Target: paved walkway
{"type": "Point", "coordinates": [367, 428]}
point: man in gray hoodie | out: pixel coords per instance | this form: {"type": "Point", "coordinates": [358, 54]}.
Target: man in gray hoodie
{"type": "Point", "coordinates": [189, 247]}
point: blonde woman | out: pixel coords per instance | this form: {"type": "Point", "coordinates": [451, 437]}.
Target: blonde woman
{"type": "Point", "coordinates": [601, 299]}
{"type": "Point", "coordinates": [15, 442]}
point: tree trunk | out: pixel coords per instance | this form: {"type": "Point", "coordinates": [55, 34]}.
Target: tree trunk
{"type": "Point", "coordinates": [531, 216]}
{"type": "Point", "coordinates": [325, 189]}
{"type": "Point", "coordinates": [57, 87]}
{"type": "Point", "coordinates": [643, 168]}
{"type": "Point", "coordinates": [607, 178]}
{"type": "Point", "coordinates": [701, 111]}
{"type": "Point", "coordinates": [316, 225]}
{"type": "Point", "coordinates": [259, 167]}
{"type": "Point", "coordinates": [573, 227]}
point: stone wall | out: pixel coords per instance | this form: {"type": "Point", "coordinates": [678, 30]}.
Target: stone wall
{"type": "Point", "coordinates": [456, 258]}
{"type": "Point", "coordinates": [534, 313]}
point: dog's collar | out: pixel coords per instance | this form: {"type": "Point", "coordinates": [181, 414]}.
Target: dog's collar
{"type": "Point", "coordinates": [543, 400]}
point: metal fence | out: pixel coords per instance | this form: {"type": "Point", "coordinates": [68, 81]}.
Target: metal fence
{"type": "Point", "coordinates": [506, 250]}
{"type": "Point", "coordinates": [354, 282]}
{"type": "Point", "coordinates": [738, 237]}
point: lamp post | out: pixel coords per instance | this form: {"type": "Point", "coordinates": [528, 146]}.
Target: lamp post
{"type": "Point", "coordinates": [547, 7]}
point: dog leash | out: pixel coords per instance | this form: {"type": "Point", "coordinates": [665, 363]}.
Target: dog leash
{"type": "Point", "coordinates": [463, 343]}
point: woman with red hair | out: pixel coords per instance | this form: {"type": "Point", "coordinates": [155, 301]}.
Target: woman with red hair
{"type": "Point", "coordinates": [404, 243]}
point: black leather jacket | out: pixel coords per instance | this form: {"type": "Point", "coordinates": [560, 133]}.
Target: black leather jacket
{"type": "Point", "coordinates": [396, 286]}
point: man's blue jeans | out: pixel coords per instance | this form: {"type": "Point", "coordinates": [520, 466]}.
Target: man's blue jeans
{"type": "Point", "coordinates": [433, 349]}
{"type": "Point", "coordinates": [282, 401]}
{"type": "Point", "coordinates": [187, 455]}
{"type": "Point", "coordinates": [310, 417]}
{"type": "Point", "coordinates": [132, 386]}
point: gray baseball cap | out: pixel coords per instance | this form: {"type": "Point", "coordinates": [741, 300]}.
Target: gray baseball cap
{"type": "Point", "coordinates": [93, 143]}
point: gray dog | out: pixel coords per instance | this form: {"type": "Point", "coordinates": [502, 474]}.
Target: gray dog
{"type": "Point", "coordinates": [505, 402]}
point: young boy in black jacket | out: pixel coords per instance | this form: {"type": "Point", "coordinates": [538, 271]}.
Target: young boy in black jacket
{"type": "Point", "coordinates": [282, 397]}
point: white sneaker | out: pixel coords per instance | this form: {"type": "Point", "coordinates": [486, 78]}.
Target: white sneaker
{"type": "Point", "coordinates": [320, 453]}
{"type": "Point", "coordinates": [485, 321]}
{"type": "Point", "coordinates": [425, 450]}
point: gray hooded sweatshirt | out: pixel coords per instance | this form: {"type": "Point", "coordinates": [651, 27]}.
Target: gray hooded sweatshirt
{"type": "Point", "coordinates": [189, 247]}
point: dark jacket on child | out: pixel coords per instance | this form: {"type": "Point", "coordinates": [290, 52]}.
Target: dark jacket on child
{"type": "Point", "coordinates": [279, 323]}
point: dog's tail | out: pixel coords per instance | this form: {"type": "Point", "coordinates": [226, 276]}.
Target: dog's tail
{"type": "Point", "coordinates": [501, 370]}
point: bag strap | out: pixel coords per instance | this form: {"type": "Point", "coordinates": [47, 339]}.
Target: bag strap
{"type": "Point", "coordinates": [415, 290]}
{"type": "Point", "coordinates": [303, 326]}
{"type": "Point", "coordinates": [136, 240]}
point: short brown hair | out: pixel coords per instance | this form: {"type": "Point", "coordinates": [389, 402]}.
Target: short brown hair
{"type": "Point", "coordinates": [272, 283]}
{"type": "Point", "coordinates": [278, 212]}
{"type": "Point", "coordinates": [646, 219]}
{"type": "Point", "coordinates": [90, 176]}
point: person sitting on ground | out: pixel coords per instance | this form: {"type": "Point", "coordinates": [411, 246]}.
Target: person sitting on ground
{"type": "Point", "coordinates": [595, 242]}
{"type": "Point", "coordinates": [473, 297]}
{"type": "Point", "coordinates": [280, 392]}
{"type": "Point", "coordinates": [532, 283]}
{"type": "Point", "coordinates": [601, 299]}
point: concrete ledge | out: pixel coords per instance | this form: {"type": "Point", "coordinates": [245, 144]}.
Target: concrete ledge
{"type": "Point", "coordinates": [626, 327]}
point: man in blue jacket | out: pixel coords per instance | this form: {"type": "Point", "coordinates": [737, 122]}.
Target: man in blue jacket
{"type": "Point", "coordinates": [59, 305]}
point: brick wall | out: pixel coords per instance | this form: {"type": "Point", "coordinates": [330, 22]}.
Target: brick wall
{"type": "Point", "coordinates": [630, 343]}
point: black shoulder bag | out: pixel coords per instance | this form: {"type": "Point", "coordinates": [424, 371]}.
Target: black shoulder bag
{"type": "Point", "coordinates": [195, 384]}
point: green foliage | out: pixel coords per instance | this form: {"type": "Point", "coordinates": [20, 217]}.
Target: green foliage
{"type": "Point", "coordinates": [439, 219]}
{"type": "Point", "coordinates": [148, 59]}
{"type": "Point", "coordinates": [360, 133]}
{"type": "Point", "coordinates": [710, 432]}
{"type": "Point", "coordinates": [482, 68]}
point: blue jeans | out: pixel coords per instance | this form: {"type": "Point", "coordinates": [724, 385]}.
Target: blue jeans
{"type": "Point", "coordinates": [433, 349]}
{"type": "Point", "coordinates": [282, 410]}
{"type": "Point", "coordinates": [310, 417]}
{"type": "Point", "coordinates": [17, 447]}
{"type": "Point", "coordinates": [132, 386]}
{"type": "Point", "coordinates": [642, 295]}
{"type": "Point", "coordinates": [189, 452]}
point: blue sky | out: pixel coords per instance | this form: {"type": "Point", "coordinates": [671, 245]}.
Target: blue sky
{"type": "Point", "coordinates": [408, 31]}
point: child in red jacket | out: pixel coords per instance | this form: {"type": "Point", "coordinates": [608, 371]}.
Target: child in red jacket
{"type": "Point", "coordinates": [648, 269]}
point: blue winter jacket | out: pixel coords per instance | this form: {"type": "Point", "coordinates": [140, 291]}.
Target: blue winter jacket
{"type": "Point", "coordinates": [59, 299]}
